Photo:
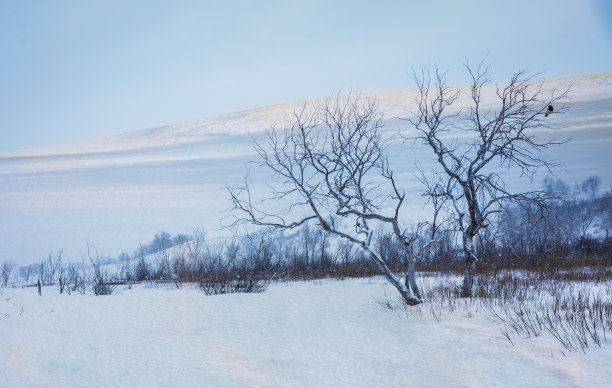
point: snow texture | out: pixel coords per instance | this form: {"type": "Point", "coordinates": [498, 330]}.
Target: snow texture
{"type": "Point", "coordinates": [318, 334]}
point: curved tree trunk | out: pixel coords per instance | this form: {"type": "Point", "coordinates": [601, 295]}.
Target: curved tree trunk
{"type": "Point", "coordinates": [403, 289]}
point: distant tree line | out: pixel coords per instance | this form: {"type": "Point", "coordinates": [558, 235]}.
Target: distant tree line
{"type": "Point", "coordinates": [574, 230]}
{"type": "Point", "coordinates": [577, 223]}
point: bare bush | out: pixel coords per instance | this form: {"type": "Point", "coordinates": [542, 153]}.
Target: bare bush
{"type": "Point", "coordinates": [577, 316]}
{"type": "Point", "coordinates": [228, 284]}
{"type": "Point", "coordinates": [576, 320]}
{"type": "Point", "coordinates": [101, 285]}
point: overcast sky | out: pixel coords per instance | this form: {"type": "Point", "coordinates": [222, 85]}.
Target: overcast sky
{"type": "Point", "coordinates": [73, 70]}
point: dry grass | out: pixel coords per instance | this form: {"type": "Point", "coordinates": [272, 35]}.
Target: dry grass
{"type": "Point", "coordinates": [577, 314]}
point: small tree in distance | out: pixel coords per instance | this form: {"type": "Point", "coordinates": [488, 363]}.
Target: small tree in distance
{"type": "Point", "coordinates": [330, 169]}
{"type": "Point", "coordinates": [6, 271]}
{"type": "Point", "coordinates": [473, 168]}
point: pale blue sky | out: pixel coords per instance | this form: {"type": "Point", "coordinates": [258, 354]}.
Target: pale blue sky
{"type": "Point", "coordinates": [72, 70]}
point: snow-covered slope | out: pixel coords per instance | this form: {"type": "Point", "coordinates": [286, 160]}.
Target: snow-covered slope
{"type": "Point", "coordinates": [120, 190]}
{"type": "Point", "coordinates": [392, 104]}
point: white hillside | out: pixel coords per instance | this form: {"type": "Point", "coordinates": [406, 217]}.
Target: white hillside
{"type": "Point", "coordinates": [121, 190]}
{"type": "Point", "coordinates": [392, 104]}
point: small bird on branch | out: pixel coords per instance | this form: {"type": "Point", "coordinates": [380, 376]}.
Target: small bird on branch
{"type": "Point", "coordinates": [548, 111]}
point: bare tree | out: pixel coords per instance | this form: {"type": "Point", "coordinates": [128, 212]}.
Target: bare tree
{"type": "Point", "coordinates": [7, 269]}
{"type": "Point", "coordinates": [494, 138]}
{"type": "Point", "coordinates": [47, 270]}
{"type": "Point", "coordinates": [258, 256]}
{"type": "Point", "coordinates": [585, 208]}
{"type": "Point", "coordinates": [164, 260]}
{"type": "Point", "coordinates": [605, 223]}
{"type": "Point", "coordinates": [143, 268]}
{"type": "Point", "coordinates": [329, 169]}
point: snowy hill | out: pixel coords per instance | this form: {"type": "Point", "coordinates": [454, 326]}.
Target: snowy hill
{"type": "Point", "coordinates": [119, 190]}
{"type": "Point", "coordinates": [392, 104]}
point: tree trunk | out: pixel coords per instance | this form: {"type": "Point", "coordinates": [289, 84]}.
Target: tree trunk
{"type": "Point", "coordinates": [410, 281]}
{"type": "Point", "coordinates": [468, 278]}
{"type": "Point", "coordinates": [411, 300]}
{"type": "Point", "coordinates": [470, 268]}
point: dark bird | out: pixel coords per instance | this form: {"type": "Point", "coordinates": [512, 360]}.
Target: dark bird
{"type": "Point", "coordinates": [548, 111]}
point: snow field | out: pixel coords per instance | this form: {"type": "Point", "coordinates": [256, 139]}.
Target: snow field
{"type": "Point", "coordinates": [296, 334]}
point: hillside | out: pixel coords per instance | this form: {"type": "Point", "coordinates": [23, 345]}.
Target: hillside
{"type": "Point", "coordinates": [392, 104]}
{"type": "Point", "coordinates": [119, 190]}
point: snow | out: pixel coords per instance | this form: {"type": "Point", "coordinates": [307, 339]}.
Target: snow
{"type": "Point", "coordinates": [296, 334]}
{"type": "Point", "coordinates": [118, 191]}
{"type": "Point", "coordinates": [392, 104]}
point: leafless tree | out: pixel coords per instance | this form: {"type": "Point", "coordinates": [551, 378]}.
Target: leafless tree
{"type": "Point", "coordinates": [330, 169]}
{"type": "Point", "coordinates": [605, 223]}
{"type": "Point", "coordinates": [49, 269]}
{"type": "Point", "coordinates": [7, 270]}
{"type": "Point", "coordinates": [258, 256]}
{"type": "Point", "coordinates": [164, 259]}
{"type": "Point", "coordinates": [495, 135]}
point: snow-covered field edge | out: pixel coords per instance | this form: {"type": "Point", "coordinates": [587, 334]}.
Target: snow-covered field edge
{"type": "Point", "coordinates": [298, 333]}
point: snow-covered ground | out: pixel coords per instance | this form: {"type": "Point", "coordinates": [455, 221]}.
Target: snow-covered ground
{"type": "Point", "coordinates": [316, 334]}
{"type": "Point", "coordinates": [118, 191]}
